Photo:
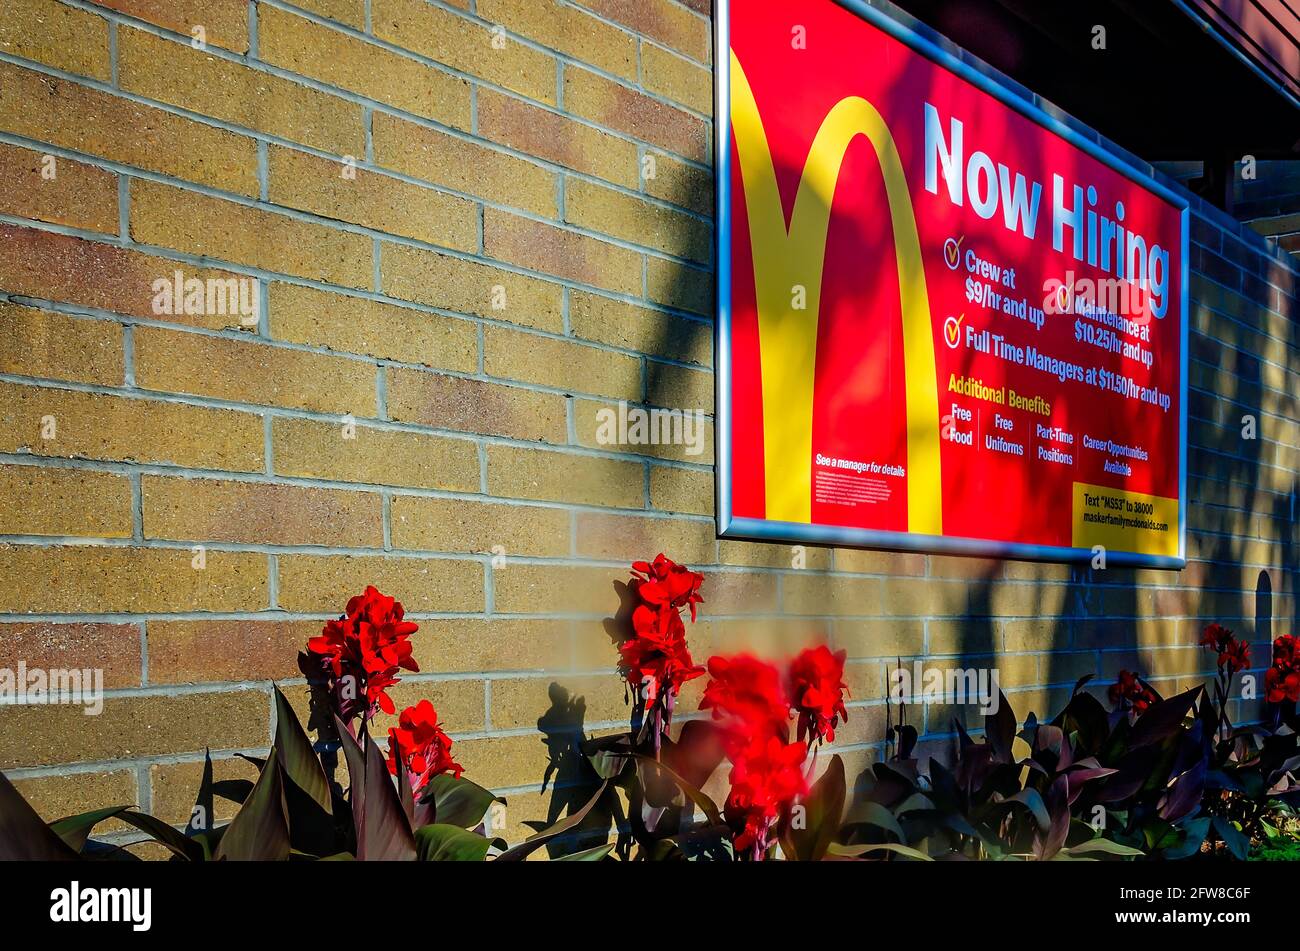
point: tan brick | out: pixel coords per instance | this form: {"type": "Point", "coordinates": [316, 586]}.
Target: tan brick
{"type": "Point", "coordinates": [556, 138]}
{"type": "Point", "coordinates": [679, 387]}
{"type": "Point", "coordinates": [1035, 634]}
{"type": "Point", "coordinates": [324, 583]}
{"type": "Point", "coordinates": [888, 639]}
{"type": "Point", "coordinates": [972, 569]}
{"type": "Point", "coordinates": [567, 29]}
{"type": "Point", "coordinates": [210, 227]}
{"type": "Point", "coordinates": [625, 110]}
{"type": "Point", "coordinates": [560, 589]}
{"type": "Point", "coordinates": [738, 592]}
{"type": "Point", "coordinates": [45, 344]}
{"type": "Point", "coordinates": [862, 562]}
{"type": "Point", "coordinates": [318, 450]}
{"type": "Point", "coordinates": [102, 580]}
{"type": "Point", "coordinates": [111, 648]}
{"type": "Point", "coordinates": [36, 501]}
{"type": "Point", "coordinates": [468, 287]}
{"type": "Point", "coordinates": [466, 166]}
{"type": "Point", "coordinates": [70, 794]}
{"type": "Point", "coordinates": [565, 254]}
{"type": "Point", "coordinates": [662, 20]}
{"type": "Point", "coordinates": [630, 537]}
{"type": "Point", "coordinates": [499, 762]}
{"type": "Point", "coordinates": [97, 426]}
{"type": "Point", "coordinates": [676, 285]}
{"type": "Point", "coordinates": [224, 22]}
{"type": "Point", "coordinates": [471, 644]}
{"type": "Point", "coordinates": [775, 639]}
{"type": "Point", "coordinates": [63, 37]}
{"type": "Point", "coordinates": [332, 57]}
{"type": "Point", "coordinates": [179, 75]}
{"type": "Point", "coordinates": [351, 12]}
{"type": "Point", "coordinates": [427, 524]}
{"type": "Point", "coordinates": [682, 438]}
{"type": "Point", "coordinates": [174, 788]}
{"type": "Point", "coordinates": [311, 183]}
{"type": "Point", "coordinates": [461, 705]}
{"type": "Point", "coordinates": [762, 555]}
{"type": "Point", "coordinates": [226, 650]}
{"type": "Point", "coordinates": [475, 406]}
{"type": "Point", "coordinates": [597, 208]}
{"type": "Point", "coordinates": [821, 594]}
{"type": "Point", "coordinates": [222, 510]}
{"type": "Point", "coordinates": [526, 701]}
{"type": "Point", "coordinates": [465, 45]}
{"type": "Point", "coordinates": [72, 270]}
{"type": "Point", "coordinates": [516, 472]}
{"type": "Point", "coordinates": [223, 368]}
{"type": "Point", "coordinates": [676, 78]}
{"type": "Point", "coordinates": [629, 326]}
{"type": "Point", "coordinates": [86, 120]}
{"type": "Point", "coordinates": [359, 325]}
{"type": "Point", "coordinates": [674, 489]}
{"type": "Point", "coordinates": [79, 195]}
{"type": "Point", "coordinates": [548, 361]}
{"type": "Point", "coordinates": [680, 183]}
{"type": "Point", "coordinates": [133, 726]}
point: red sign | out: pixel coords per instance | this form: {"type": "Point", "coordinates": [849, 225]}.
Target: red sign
{"type": "Point", "coordinates": [947, 321]}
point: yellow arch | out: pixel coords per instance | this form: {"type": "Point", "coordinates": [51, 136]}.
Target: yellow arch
{"type": "Point", "coordinates": [786, 260]}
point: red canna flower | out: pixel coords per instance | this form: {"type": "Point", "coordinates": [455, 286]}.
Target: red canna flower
{"type": "Point", "coordinates": [1234, 655]}
{"type": "Point", "coordinates": [766, 777]}
{"type": "Point", "coordinates": [1130, 691]}
{"type": "Point", "coordinates": [420, 744]}
{"type": "Point", "coordinates": [1282, 679]}
{"type": "Point", "coordinates": [817, 693]}
{"type": "Point", "coordinates": [747, 695]}
{"type": "Point", "coordinates": [362, 651]}
{"type": "Point", "coordinates": [664, 583]}
{"type": "Point", "coordinates": [655, 656]}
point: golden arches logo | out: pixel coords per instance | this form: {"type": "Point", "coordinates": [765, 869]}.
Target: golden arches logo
{"type": "Point", "coordinates": [786, 258]}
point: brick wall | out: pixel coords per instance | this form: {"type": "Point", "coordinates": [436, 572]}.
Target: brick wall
{"type": "Point", "coordinates": [467, 228]}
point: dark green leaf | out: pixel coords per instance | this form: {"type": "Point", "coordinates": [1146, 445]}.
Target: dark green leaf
{"type": "Point", "coordinates": [24, 836]}
{"type": "Point", "coordinates": [383, 831]}
{"type": "Point", "coordinates": [1238, 844]}
{"type": "Point", "coordinates": [203, 815]}
{"type": "Point", "coordinates": [823, 809]}
{"type": "Point", "coordinates": [1163, 719]}
{"type": "Point", "coordinates": [75, 830]}
{"type": "Point", "coordinates": [707, 805]}
{"type": "Point", "coordinates": [1104, 845]}
{"type": "Point", "coordinates": [189, 848]}
{"type": "Point", "coordinates": [260, 830]}
{"type": "Point", "coordinates": [853, 851]}
{"type": "Point", "coordinates": [459, 802]}
{"type": "Point", "coordinates": [298, 761]}
{"type": "Point", "coordinates": [439, 842]}
{"type": "Point", "coordinates": [874, 814]}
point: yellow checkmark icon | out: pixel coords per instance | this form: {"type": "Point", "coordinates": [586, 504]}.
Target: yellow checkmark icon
{"type": "Point", "coordinates": [954, 327]}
